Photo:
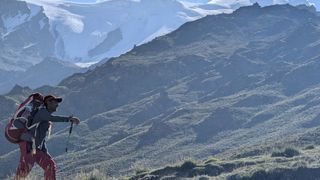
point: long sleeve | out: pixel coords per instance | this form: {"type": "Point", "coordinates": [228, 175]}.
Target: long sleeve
{"type": "Point", "coordinates": [44, 115]}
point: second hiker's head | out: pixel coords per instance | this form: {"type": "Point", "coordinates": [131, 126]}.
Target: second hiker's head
{"type": "Point", "coordinates": [37, 99]}
{"type": "Point", "coordinates": [51, 102]}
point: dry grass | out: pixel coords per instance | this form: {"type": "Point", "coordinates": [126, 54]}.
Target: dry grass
{"type": "Point", "coordinates": [93, 175]}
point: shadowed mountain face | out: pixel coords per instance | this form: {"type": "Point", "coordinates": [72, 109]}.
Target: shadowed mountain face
{"type": "Point", "coordinates": [211, 87]}
{"type": "Point", "coordinates": [50, 71]}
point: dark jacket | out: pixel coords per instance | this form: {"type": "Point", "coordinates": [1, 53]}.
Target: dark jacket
{"type": "Point", "coordinates": [44, 117]}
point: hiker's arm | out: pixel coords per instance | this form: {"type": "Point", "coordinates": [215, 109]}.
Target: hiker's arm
{"type": "Point", "coordinates": [44, 115]}
{"type": "Point", "coordinates": [65, 119]}
{"type": "Point", "coordinates": [59, 118]}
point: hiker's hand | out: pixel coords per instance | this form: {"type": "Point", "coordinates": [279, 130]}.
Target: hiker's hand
{"type": "Point", "coordinates": [75, 120]}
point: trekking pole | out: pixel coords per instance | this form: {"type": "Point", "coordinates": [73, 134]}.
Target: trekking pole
{"type": "Point", "coordinates": [70, 131]}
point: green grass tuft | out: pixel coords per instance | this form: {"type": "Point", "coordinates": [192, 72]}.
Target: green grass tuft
{"type": "Point", "coordinates": [188, 165]}
{"type": "Point", "coordinates": [287, 152]}
{"type": "Point", "coordinates": [141, 171]}
{"type": "Point", "coordinates": [211, 160]}
{"type": "Point", "coordinates": [309, 147]}
{"type": "Point", "coordinates": [93, 175]}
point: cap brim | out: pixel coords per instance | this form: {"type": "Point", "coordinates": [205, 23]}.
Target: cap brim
{"type": "Point", "coordinates": [58, 99]}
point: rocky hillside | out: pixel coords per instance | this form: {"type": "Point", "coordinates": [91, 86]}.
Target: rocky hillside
{"type": "Point", "coordinates": [229, 85]}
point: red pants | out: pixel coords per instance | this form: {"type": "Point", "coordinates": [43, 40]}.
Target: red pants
{"type": "Point", "coordinates": [27, 161]}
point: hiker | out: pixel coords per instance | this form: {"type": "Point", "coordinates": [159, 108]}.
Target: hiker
{"type": "Point", "coordinates": [42, 118]}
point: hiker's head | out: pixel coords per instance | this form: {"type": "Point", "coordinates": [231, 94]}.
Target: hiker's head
{"type": "Point", "coordinates": [51, 102]}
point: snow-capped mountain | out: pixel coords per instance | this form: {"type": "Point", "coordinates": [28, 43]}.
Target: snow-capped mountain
{"type": "Point", "coordinates": [93, 31]}
{"type": "Point", "coordinates": [26, 40]}
{"type": "Point", "coordinates": [25, 35]}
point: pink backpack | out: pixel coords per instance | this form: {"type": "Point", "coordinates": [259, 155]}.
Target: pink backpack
{"type": "Point", "coordinates": [23, 117]}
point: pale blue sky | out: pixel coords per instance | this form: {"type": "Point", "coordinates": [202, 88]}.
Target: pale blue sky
{"type": "Point", "coordinates": [83, 1]}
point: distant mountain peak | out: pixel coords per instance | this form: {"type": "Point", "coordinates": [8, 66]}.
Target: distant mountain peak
{"type": "Point", "coordinates": [18, 90]}
{"type": "Point", "coordinates": [256, 5]}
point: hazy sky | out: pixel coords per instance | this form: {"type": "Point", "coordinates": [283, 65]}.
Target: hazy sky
{"type": "Point", "coordinates": [83, 1]}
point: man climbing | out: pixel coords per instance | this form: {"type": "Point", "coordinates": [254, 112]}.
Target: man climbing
{"type": "Point", "coordinates": [42, 118]}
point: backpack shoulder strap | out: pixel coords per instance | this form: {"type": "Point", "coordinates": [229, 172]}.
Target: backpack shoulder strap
{"type": "Point", "coordinates": [31, 117]}
{"type": "Point", "coordinates": [21, 107]}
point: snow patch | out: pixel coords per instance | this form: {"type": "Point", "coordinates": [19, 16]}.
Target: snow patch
{"type": "Point", "coordinates": [198, 8]}
{"type": "Point", "coordinates": [34, 10]}
{"type": "Point", "coordinates": [99, 34]}
{"type": "Point", "coordinates": [42, 23]}
{"type": "Point", "coordinates": [55, 13]}
{"type": "Point", "coordinates": [229, 3]}
{"type": "Point", "coordinates": [75, 24]}
{"type": "Point", "coordinates": [87, 64]}
{"type": "Point", "coordinates": [29, 45]}
{"type": "Point", "coordinates": [11, 22]}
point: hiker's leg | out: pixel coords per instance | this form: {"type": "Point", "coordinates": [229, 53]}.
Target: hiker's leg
{"type": "Point", "coordinates": [46, 162]}
{"type": "Point", "coordinates": [26, 162]}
